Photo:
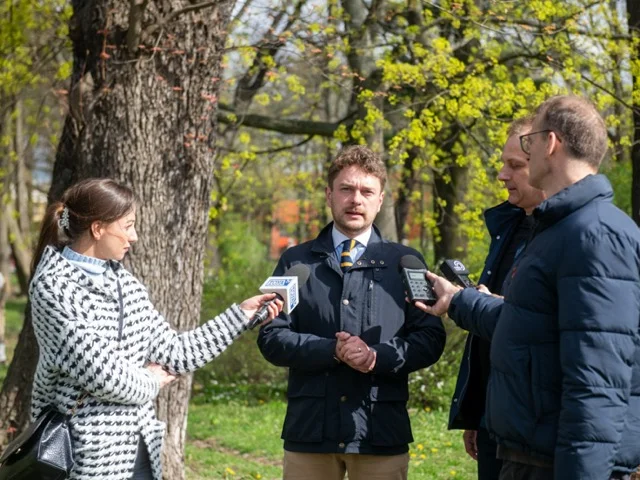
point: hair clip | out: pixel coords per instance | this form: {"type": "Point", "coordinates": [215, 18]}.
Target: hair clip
{"type": "Point", "coordinates": [64, 219]}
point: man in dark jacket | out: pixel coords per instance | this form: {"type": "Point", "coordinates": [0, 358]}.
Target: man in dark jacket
{"type": "Point", "coordinates": [352, 340]}
{"type": "Point", "coordinates": [564, 391]}
{"type": "Point", "coordinates": [510, 225]}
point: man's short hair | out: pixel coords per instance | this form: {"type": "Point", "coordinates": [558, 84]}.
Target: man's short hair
{"type": "Point", "coordinates": [520, 126]}
{"type": "Point", "coordinates": [362, 157]}
{"type": "Point", "coordinates": [578, 124]}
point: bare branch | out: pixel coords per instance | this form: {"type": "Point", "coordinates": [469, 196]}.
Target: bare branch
{"type": "Point", "coordinates": [273, 150]}
{"type": "Point", "coordinates": [282, 125]}
{"type": "Point", "coordinates": [136, 11]}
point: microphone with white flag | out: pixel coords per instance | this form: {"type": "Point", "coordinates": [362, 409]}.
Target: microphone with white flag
{"type": "Point", "coordinates": [286, 289]}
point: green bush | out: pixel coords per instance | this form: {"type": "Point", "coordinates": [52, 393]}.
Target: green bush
{"type": "Point", "coordinates": [432, 388]}
{"type": "Point", "coordinates": [620, 176]}
{"type": "Point", "coordinates": [240, 370]}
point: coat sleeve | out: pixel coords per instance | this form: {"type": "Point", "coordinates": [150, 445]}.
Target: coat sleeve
{"type": "Point", "coordinates": [598, 311]}
{"type": "Point", "coordinates": [70, 343]}
{"type": "Point", "coordinates": [185, 352]}
{"type": "Point", "coordinates": [282, 345]}
{"type": "Point", "coordinates": [419, 345]}
{"type": "Point", "coordinates": [475, 312]}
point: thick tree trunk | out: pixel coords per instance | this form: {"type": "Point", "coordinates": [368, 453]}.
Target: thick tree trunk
{"type": "Point", "coordinates": [142, 104]}
{"type": "Point", "coordinates": [633, 11]}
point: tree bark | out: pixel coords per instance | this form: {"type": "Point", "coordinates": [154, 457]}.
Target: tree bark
{"type": "Point", "coordinates": [633, 11]}
{"type": "Point", "coordinates": [142, 106]}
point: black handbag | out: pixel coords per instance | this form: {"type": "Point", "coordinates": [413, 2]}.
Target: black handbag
{"type": "Point", "coordinates": [42, 452]}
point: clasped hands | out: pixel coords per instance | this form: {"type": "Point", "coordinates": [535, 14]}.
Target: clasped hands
{"type": "Point", "coordinates": [353, 351]}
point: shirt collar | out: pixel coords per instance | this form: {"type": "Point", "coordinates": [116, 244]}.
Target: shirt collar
{"type": "Point", "coordinates": [92, 265]}
{"type": "Point", "coordinates": [339, 237]}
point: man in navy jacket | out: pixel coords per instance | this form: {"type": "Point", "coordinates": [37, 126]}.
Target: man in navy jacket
{"type": "Point", "coordinates": [564, 391]}
{"type": "Point", "coordinates": [352, 341]}
{"type": "Point", "coordinates": [510, 225]}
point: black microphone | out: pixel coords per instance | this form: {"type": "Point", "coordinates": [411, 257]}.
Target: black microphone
{"type": "Point", "coordinates": [412, 271]}
{"type": "Point", "coordinates": [286, 289]}
{"type": "Point", "coordinates": [456, 272]}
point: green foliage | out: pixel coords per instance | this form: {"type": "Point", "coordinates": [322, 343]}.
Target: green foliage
{"type": "Point", "coordinates": [240, 370]}
{"type": "Point", "coordinates": [439, 84]}
{"type": "Point", "coordinates": [432, 388]}
{"type": "Point", "coordinates": [26, 30]}
{"type": "Point", "coordinates": [620, 176]}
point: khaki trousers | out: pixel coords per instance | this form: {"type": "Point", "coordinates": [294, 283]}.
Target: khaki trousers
{"type": "Point", "coordinates": [333, 466]}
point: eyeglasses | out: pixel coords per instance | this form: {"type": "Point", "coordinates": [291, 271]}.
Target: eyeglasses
{"type": "Point", "coordinates": [525, 140]}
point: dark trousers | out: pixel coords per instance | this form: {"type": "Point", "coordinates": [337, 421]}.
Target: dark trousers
{"type": "Point", "coordinates": [488, 464]}
{"type": "Point", "coordinates": [520, 471]}
{"type": "Point", "coordinates": [142, 469]}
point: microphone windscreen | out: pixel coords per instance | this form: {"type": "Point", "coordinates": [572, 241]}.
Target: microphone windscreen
{"type": "Point", "coordinates": [412, 262]}
{"type": "Point", "coordinates": [298, 270]}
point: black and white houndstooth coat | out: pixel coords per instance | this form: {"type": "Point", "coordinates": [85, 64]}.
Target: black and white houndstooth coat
{"type": "Point", "coordinates": [76, 322]}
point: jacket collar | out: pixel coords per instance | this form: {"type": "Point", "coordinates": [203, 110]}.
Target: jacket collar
{"type": "Point", "coordinates": [572, 198]}
{"type": "Point", "coordinates": [52, 261]}
{"type": "Point", "coordinates": [501, 217]}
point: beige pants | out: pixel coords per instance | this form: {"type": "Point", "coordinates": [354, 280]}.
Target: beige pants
{"type": "Point", "coordinates": [332, 466]}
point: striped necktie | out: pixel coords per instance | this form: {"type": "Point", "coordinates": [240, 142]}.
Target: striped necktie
{"type": "Point", "coordinates": [345, 257]}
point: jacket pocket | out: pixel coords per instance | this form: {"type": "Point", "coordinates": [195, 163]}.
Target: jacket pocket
{"type": "Point", "coordinates": [305, 408]}
{"type": "Point", "coordinates": [390, 425]}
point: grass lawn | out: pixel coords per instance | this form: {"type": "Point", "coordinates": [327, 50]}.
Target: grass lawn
{"type": "Point", "coordinates": [239, 437]}
{"type": "Point", "coordinates": [14, 312]}
{"type": "Point", "coordinates": [237, 440]}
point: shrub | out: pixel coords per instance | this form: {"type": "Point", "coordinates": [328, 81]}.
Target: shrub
{"type": "Point", "coordinates": [432, 388]}
{"type": "Point", "coordinates": [240, 370]}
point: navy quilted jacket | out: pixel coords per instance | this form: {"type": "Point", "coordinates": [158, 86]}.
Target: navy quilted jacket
{"type": "Point", "coordinates": [565, 380]}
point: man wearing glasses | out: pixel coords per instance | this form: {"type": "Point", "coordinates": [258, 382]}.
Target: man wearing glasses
{"type": "Point", "coordinates": [564, 393]}
{"type": "Point", "coordinates": [510, 224]}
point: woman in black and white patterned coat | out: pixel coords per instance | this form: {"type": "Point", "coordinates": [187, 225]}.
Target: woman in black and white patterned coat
{"type": "Point", "coordinates": [101, 339]}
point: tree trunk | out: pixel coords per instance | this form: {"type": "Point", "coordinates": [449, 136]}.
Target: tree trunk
{"type": "Point", "coordinates": [21, 255]}
{"type": "Point", "coordinates": [21, 178]}
{"type": "Point", "coordinates": [447, 193]}
{"type": "Point", "coordinates": [633, 11]}
{"type": "Point", "coordinates": [408, 183]}
{"type": "Point", "coordinates": [142, 105]}
{"type": "Point", "coordinates": [5, 253]}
